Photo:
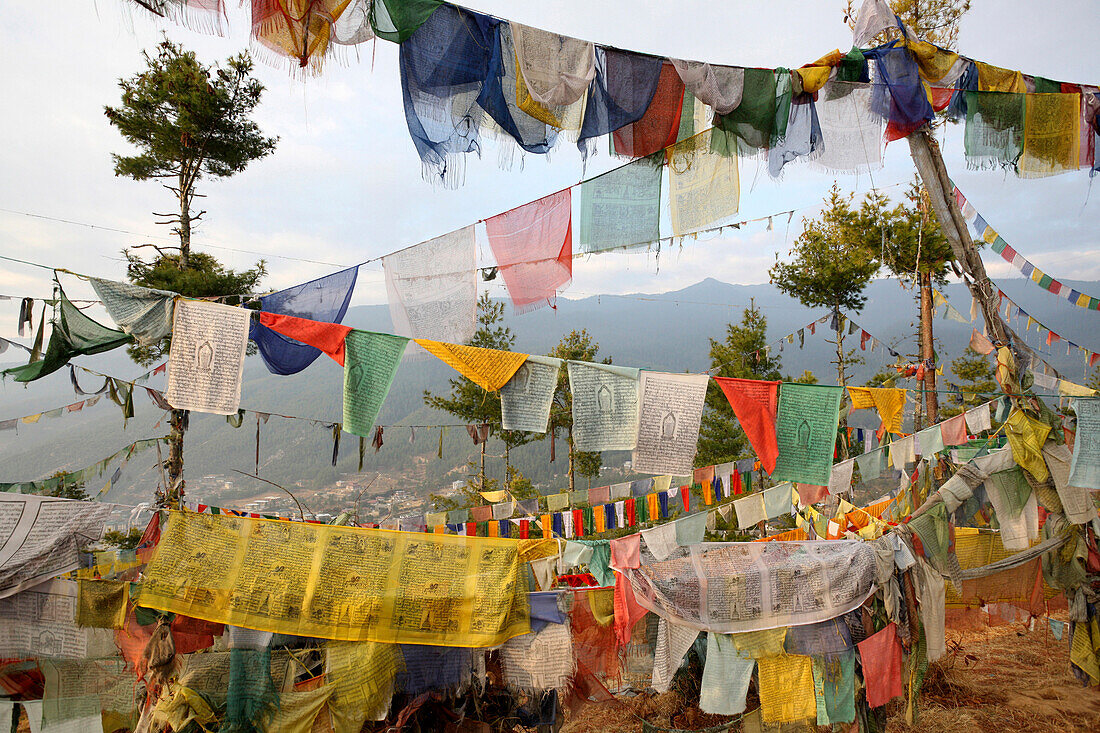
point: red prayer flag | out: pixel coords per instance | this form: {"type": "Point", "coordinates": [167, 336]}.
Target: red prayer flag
{"type": "Point", "coordinates": [626, 552]}
{"type": "Point", "coordinates": [533, 247]}
{"type": "Point", "coordinates": [628, 506]}
{"type": "Point", "coordinates": [1093, 359]}
{"type": "Point", "coordinates": [328, 337]}
{"type": "Point", "coordinates": [685, 494]}
{"type": "Point", "coordinates": [953, 431]}
{"type": "Point", "coordinates": [627, 609]}
{"type": "Point", "coordinates": [703, 476]}
{"type": "Point", "coordinates": [881, 655]}
{"type": "Point", "coordinates": [754, 402]}
{"type": "Point", "coordinates": [660, 124]}
{"type": "Point", "coordinates": [524, 528]}
{"type": "Point", "coordinates": [471, 529]}
{"type": "Point", "coordinates": [578, 523]}
{"type": "Point", "coordinates": [864, 337]}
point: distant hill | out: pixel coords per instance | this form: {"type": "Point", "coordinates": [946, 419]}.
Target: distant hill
{"type": "Point", "coordinates": [669, 331]}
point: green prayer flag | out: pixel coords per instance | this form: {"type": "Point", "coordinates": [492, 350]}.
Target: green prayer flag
{"type": "Point", "coordinates": [622, 207]}
{"type": "Point", "coordinates": [805, 430]}
{"type": "Point", "coordinates": [1045, 281]}
{"type": "Point", "coordinates": [73, 334]}
{"type": "Point", "coordinates": [1046, 86]}
{"type": "Point", "coordinates": [999, 244]}
{"type": "Point", "coordinates": [994, 133]}
{"type": "Point", "coordinates": [852, 67]}
{"type": "Point", "coordinates": [687, 117]}
{"type": "Point", "coordinates": [370, 363]}
{"type": "Point", "coordinates": [753, 121]}
{"type": "Point", "coordinates": [396, 20]}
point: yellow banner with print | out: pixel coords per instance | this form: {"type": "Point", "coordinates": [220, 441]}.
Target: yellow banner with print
{"type": "Point", "coordinates": [342, 583]}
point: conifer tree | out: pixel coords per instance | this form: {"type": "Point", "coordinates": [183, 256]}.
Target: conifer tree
{"type": "Point", "coordinates": [740, 355]}
{"type": "Point", "coordinates": [188, 120]}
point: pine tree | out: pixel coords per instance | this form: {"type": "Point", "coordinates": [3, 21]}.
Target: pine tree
{"type": "Point", "coordinates": [741, 355]}
{"type": "Point", "coordinates": [187, 120]}
{"type": "Point", "coordinates": [473, 404]}
{"type": "Point", "coordinates": [829, 268]}
{"type": "Point", "coordinates": [976, 383]}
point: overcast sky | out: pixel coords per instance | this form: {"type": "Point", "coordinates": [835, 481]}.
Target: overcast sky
{"type": "Point", "coordinates": [345, 183]}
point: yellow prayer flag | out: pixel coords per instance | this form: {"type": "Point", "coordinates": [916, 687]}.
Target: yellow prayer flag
{"type": "Point", "coordinates": [786, 688]}
{"type": "Point", "coordinates": [599, 519]}
{"type": "Point", "coordinates": [1037, 275]}
{"type": "Point", "coordinates": [933, 62]}
{"type": "Point", "coordinates": [661, 483]}
{"type": "Point", "coordinates": [989, 235]}
{"type": "Point", "coordinates": [101, 604]}
{"type": "Point", "coordinates": [995, 79]}
{"type": "Point", "coordinates": [547, 527]}
{"type": "Point", "coordinates": [31, 419]}
{"type": "Point", "coordinates": [334, 582]}
{"type": "Point", "coordinates": [1082, 301]}
{"type": "Point", "coordinates": [488, 368]}
{"type": "Point", "coordinates": [1052, 137]}
{"type": "Point", "coordinates": [1026, 436]}
{"type": "Point", "coordinates": [888, 401]}
{"type": "Point", "coordinates": [653, 506]}
{"type": "Point", "coordinates": [494, 497]}
{"type": "Point", "coordinates": [1074, 390]}
{"type": "Point", "coordinates": [814, 77]}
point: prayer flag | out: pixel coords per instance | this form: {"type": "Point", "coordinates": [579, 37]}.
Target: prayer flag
{"type": "Point", "coordinates": [658, 127]}
{"type": "Point", "coordinates": [806, 426]}
{"type": "Point", "coordinates": [324, 301]}
{"type": "Point", "coordinates": [754, 402]}
{"type": "Point", "coordinates": [888, 401]}
{"type": "Point", "coordinates": [668, 422]}
{"type": "Point", "coordinates": [526, 398]}
{"type": "Point", "coordinates": [432, 288]}
{"type": "Point", "coordinates": [881, 655]}
{"type": "Point", "coordinates": [533, 247]}
{"type": "Point", "coordinates": [605, 406]}
{"type": "Point", "coordinates": [206, 361]}
{"type": "Point", "coordinates": [490, 369]}
{"type": "Point", "coordinates": [372, 361]}
{"type": "Point", "coordinates": [622, 207]}
{"type": "Point", "coordinates": [326, 337]}
{"type": "Point", "coordinates": [703, 183]}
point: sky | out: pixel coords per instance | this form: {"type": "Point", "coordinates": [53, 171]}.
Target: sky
{"type": "Point", "coordinates": [345, 184]}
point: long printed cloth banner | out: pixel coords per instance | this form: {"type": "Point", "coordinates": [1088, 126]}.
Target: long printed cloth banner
{"type": "Point", "coordinates": [749, 586]}
{"type": "Point", "coordinates": [40, 537]}
{"type": "Point", "coordinates": [337, 582]}
{"type": "Point", "coordinates": [1010, 255]}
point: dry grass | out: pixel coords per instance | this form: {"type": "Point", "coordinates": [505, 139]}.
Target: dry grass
{"type": "Point", "coordinates": [995, 679]}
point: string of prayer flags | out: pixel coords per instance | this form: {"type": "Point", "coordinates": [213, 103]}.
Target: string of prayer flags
{"type": "Point", "coordinates": [888, 401]}
{"type": "Point", "coordinates": [668, 422]}
{"type": "Point", "coordinates": [982, 229]}
{"type": "Point", "coordinates": [754, 403]}
{"type": "Point", "coordinates": [206, 361]}
{"type": "Point", "coordinates": [605, 406]}
{"type": "Point", "coordinates": [372, 361]}
{"type": "Point", "coordinates": [703, 180]}
{"type": "Point", "coordinates": [323, 337]}
{"type": "Point", "coordinates": [490, 369]}
{"type": "Point", "coordinates": [806, 426]}
{"type": "Point", "coordinates": [73, 334]}
{"type": "Point", "coordinates": [324, 302]}
{"type": "Point", "coordinates": [432, 287]}
{"type": "Point", "coordinates": [144, 313]}
{"type": "Point", "coordinates": [533, 247]}
{"type": "Point", "coordinates": [526, 398]}
{"type": "Point", "coordinates": [622, 208]}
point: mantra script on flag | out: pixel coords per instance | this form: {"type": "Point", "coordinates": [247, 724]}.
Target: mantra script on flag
{"type": "Point", "coordinates": [342, 583]}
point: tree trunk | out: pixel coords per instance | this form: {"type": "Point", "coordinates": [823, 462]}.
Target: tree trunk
{"type": "Point", "coordinates": [571, 480]}
{"type": "Point", "coordinates": [841, 379]}
{"type": "Point", "coordinates": [918, 413]}
{"type": "Point", "coordinates": [174, 490]}
{"type": "Point", "coordinates": [929, 163]}
{"type": "Point", "coordinates": [507, 468]}
{"type": "Point", "coordinates": [481, 472]}
{"type": "Point", "coordinates": [185, 223]}
{"type": "Point", "coordinates": [931, 402]}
